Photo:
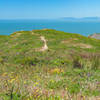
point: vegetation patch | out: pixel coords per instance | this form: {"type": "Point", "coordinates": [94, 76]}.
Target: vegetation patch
{"type": "Point", "coordinates": [69, 69]}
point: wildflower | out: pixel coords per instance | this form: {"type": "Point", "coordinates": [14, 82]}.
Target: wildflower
{"type": "Point", "coordinates": [66, 88]}
{"type": "Point", "coordinates": [24, 82]}
{"type": "Point", "coordinates": [51, 90]}
{"type": "Point", "coordinates": [56, 70]}
{"type": "Point", "coordinates": [52, 81]}
{"type": "Point", "coordinates": [12, 80]}
{"type": "Point", "coordinates": [28, 99]}
{"type": "Point", "coordinates": [36, 83]}
{"type": "Point", "coordinates": [4, 74]}
{"type": "Point", "coordinates": [37, 90]}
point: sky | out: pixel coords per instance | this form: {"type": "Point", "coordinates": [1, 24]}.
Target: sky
{"type": "Point", "coordinates": [48, 9]}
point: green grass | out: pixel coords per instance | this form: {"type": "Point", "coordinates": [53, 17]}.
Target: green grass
{"type": "Point", "coordinates": [69, 69]}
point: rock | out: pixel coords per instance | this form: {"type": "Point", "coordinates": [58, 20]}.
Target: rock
{"type": "Point", "coordinates": [96, 36]}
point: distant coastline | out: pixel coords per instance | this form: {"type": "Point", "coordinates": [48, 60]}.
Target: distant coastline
{"type": "Point", "coordinates": [84, 19]}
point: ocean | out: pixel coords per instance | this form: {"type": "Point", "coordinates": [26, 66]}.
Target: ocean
{"type": "Point", "coordinates": [7, 27]}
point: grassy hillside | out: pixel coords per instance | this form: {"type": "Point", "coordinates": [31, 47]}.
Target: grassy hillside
{"type": "Point", "coordinates": [49, 65]}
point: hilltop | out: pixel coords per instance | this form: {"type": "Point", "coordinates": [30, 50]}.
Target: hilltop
{"type": "Point", "coordinates": [45, 64]}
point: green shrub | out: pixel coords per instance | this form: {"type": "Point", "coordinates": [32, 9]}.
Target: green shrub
{"type": "Point", "coordinates": [3, 59]}
{"type": "Point", "coordinates": [77, 63]}
{"type": "Point", "coordinates": [74, 88]}
{"type": "Point", "coordinates": [58, 62]}
{"type": "Point", "coordinates": [29, 61]}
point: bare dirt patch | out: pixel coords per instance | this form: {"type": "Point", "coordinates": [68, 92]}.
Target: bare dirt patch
{"type": "Point", "coordinates": [69, 40]}
{"type": "Point", "coordinates": [72, 42]}
{"type": "Point", "coordinates": [82, 45]}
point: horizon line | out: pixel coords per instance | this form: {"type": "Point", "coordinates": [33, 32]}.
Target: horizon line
{"type": "Point", "coordinates": [46, 18]}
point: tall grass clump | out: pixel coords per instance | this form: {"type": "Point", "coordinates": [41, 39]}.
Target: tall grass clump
{"type": "Point", "coordinates": [95, 62]}
{"type": "Point", "coordinates": [77, 62]}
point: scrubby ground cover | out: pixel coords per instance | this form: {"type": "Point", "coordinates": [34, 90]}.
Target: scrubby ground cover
{"type": "Point", "coordinates": [68, 70]}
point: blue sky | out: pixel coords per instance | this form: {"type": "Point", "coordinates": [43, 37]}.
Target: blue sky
{"type": "Point", "coordinates": [30, 9]}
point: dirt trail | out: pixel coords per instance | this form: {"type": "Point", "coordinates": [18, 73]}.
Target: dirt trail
{"type": "Point", "coordinates": [45, 47]}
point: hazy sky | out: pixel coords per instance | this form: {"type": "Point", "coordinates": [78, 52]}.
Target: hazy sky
{"type": "Point", "coordinates": [30, 9]}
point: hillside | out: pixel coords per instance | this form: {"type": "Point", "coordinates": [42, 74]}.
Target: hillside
{"type": "Point", "coordinates": [49, 65]}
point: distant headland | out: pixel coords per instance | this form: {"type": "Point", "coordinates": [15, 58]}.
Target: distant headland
{"type": "Point", "coordinates": [83, 19]}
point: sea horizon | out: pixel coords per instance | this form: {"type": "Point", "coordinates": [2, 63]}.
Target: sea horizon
{"type": "Point", "coordinates": [9, 26]}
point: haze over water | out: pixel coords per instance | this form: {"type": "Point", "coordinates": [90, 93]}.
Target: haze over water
{"type": "Point", "coordinates": [84, 28]}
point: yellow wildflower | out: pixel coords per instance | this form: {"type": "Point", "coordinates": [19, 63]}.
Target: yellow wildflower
{"type": "Point", "coordinates": [56, 70]}
{"type": "Point", "coordinates": [37, 90]}
{"type": "Point", "coordinates": [52, 81]}
{"type": "Point", "coordinates": [12, 80]}
{"type": "Point", "coordinates": [66, 88]}
{"type": "Point", "coordinates": [51, 90]}
{"type": "Point", "coordinates": [36, 83]}
{"type": "Point", "coordinates": [4, 74]}
{"type": "Point", "coordinates": [24, 82]}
